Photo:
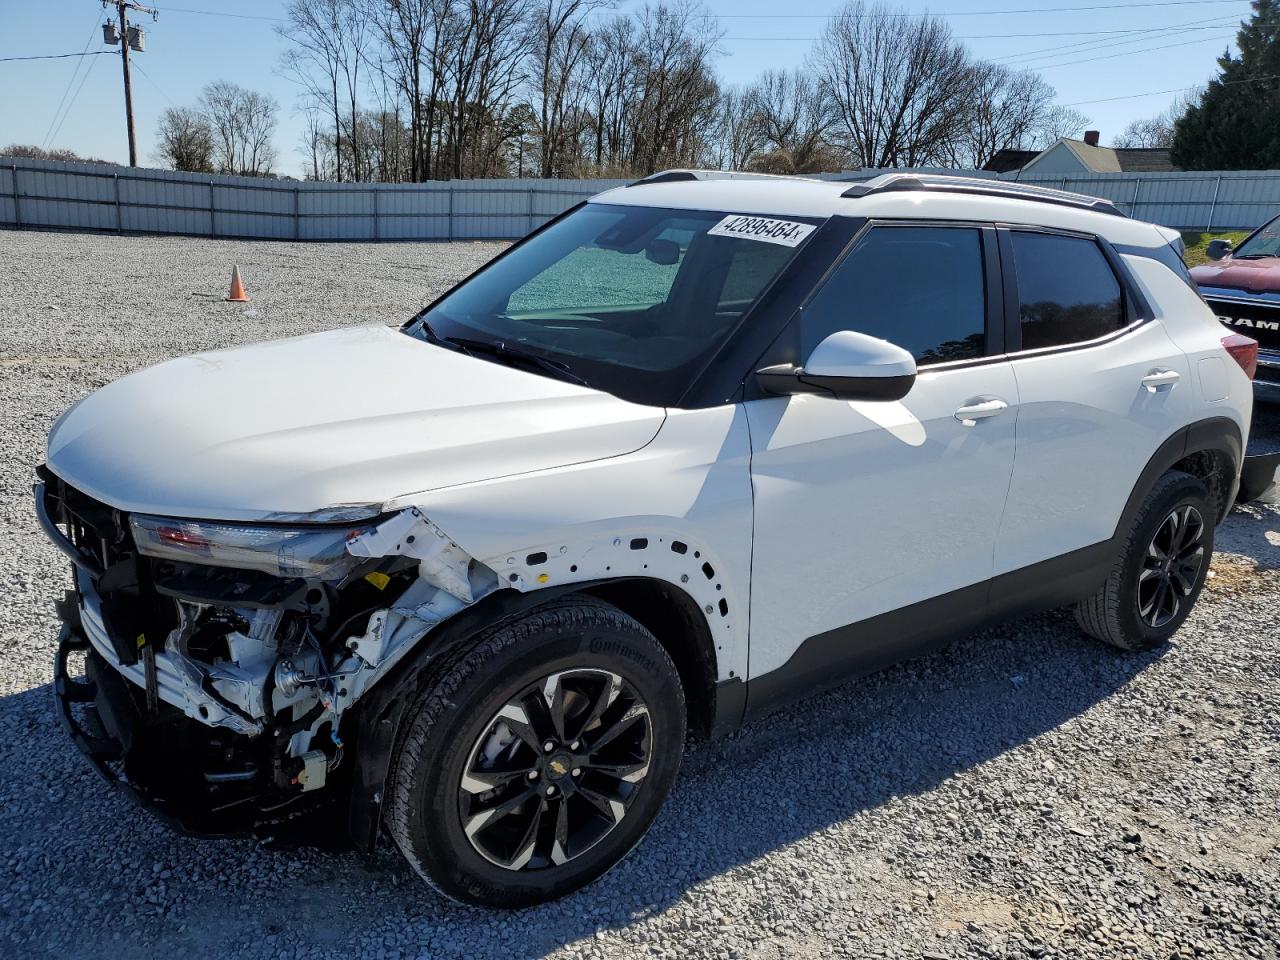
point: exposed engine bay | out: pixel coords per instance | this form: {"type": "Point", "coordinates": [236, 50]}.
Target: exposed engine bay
{"type": "Point", "coordinates": [264, 638]}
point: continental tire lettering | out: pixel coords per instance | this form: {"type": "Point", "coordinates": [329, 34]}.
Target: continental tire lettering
{"type": "Point", "coordinates": [615, 649]}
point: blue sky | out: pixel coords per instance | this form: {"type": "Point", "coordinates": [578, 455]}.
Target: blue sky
{"type": "Point", "coordinates": [1082, 50]}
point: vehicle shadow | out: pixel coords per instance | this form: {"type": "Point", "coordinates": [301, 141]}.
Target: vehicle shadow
{"type": "Point", "coordinates": [783, 778]}
{"type": "Point", "coordinates": [127, 886]}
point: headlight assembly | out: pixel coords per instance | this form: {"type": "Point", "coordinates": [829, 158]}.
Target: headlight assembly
{"type": "Point", "coordinates": [310, 552]}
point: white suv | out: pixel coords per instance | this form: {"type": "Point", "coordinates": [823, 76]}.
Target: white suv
{"type": "Point", "coordinates": [697, 446]}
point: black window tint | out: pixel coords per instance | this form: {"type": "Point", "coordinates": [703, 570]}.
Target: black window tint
{"type": "Point", "coordinates": [1067, 292]}
{"type": "Point", "coordinates": [921, 288]}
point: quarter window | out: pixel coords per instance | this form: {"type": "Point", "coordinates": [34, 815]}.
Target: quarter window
{"type": "Point", "coordinates": [1067, 291]}
{"type": "Point", "coordinates": [921, 288]}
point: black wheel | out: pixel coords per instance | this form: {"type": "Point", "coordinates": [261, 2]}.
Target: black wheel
{"type": "Point", "coordinates": [1159, 571]}
{"type": "Point", "coordinates": [539, 757]}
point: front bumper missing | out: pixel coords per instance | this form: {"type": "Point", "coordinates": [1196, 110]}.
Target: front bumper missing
{"type": "Point", "coordinates": [199, 780]}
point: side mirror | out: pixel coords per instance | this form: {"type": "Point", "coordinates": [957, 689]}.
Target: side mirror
{"type": "Point", "coordinates": [1217, 249]}
{"type": "Point", "coordinates": [847, 366]}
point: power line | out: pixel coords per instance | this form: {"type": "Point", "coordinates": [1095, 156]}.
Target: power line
{"type": "Point", "coordinates": [222, 13]}
{"type": "Point", "coordinates": [983, 13]}
{"type": "Point", "coordinates": [1216, 23]}
{"type": "Point", "coordinates": [824, 16]}
{"type": "Point", "coordinates": [1129, 53]}
{"type": "Point", "coordinates": [1090, 46]}
{"type": "Point", "coordinates": [72, 103]}
{"type": "Point", "coordinates": [160, 90]}
{"type": "Point", "coordinates": [60, 56]}
{"type": "Point", "coordinates": [1153, 93]}
{"type": "Point", "coordinates": [93, 30]}
{"type": "Point", "coordinates": [1011, 36]}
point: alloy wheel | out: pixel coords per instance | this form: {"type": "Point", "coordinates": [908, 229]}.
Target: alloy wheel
{"type": "Point", "coordinates": [1171, 566]}
{"type": "Point", "coordinates": [556, 769]}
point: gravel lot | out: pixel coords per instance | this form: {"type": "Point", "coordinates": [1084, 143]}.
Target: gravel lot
{"type": "Point", "coordinates": [1026, 793]}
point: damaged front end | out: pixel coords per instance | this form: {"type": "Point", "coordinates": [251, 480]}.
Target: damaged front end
{"type": "Point", "coordinates": [217, 670]}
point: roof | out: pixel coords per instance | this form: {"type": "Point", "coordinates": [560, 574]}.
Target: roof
{"type": "Point", "coordinates": [1145, 159]}
{"type": "Point", "coordinates": [1008, 159]}
{"type": "Point", "coordinates": [959, 198]}
{"type": "Point", "coordinates": [1113, 159]}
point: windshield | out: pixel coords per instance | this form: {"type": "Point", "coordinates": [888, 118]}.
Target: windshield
{"type": "Point", "coordinates": [629, 300]}
{"type": "Point", "coordinates": [1264, 243]}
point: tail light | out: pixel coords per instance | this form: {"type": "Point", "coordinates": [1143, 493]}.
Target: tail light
{"type": "Point", "coordinates": [1244, 351]}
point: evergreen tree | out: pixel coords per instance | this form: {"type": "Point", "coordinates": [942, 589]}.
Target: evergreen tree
{"type": "Point", "coordinates": [1235, 125]}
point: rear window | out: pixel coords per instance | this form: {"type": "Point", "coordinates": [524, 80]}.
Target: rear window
{"type": "Point", "coordinates": [1067, 291]}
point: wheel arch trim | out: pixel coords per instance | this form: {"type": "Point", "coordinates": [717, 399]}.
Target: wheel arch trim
{"type": "Point", "coordinates": [1215, 435]}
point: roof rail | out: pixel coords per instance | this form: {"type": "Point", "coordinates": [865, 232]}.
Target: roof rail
{"type": "Point", "coordinates": [675, 176]}
{"type": "Point", "coordinates": [979, 187]}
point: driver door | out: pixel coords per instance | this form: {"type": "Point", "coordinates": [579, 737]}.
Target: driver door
{"type": "Point", "coordinates": [876, 521]}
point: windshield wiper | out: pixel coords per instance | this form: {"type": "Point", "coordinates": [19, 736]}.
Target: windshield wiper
{"type": "Point", "coordinates": [1254, 256]}
{"type": "Point", "coordinates": [500, 350]}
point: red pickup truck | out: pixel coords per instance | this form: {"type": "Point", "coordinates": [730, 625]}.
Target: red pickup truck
{"type": "Point", "coordinates": [1243, 287]}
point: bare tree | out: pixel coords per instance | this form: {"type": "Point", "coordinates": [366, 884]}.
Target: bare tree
{"type": "Point", "coordinates": [243, 123]}
{"type": "Point", "coordinates": [612, 69]}
{"type": "Point", "coordinates": [317, 51]}
{"type": "Point", "coordinates": [1057, 123]}
{"type": "Point", "coordinates": [899, 85]}
{"type": "Point", "coordinates": [486, 42]}
{"type": "Point", "coordinates": [420, 89]}
{"type": "Point", "coordinates": [561, 51]}
{"type": "Point", "coordinates": [1007, 109]}
{"type": "Point", "coordinates": [1157, 131]}
{"type": "Point", "coordinates": [185, 140]}
{"type": "Point", "coordinates": [414, 35]}
{"type": "Point", "coordinates": [737, 137]}
{"type": "Point", "coordinates": [791, 112]}
{"type": "Point", "coordinates": [675, 94]}
{"type": "Point", "coordinates": [316, 144]}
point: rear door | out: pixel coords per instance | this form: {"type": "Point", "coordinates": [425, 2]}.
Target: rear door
{"type": "Point", "coordinates": [1101, 386]}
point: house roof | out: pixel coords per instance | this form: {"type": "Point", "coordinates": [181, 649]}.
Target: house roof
{"type": "Point", "coordinates": [1115, 159]}
{"type": "Point", "coordinates": [1007, 160]}
{"type": "Point", "coordinates": [1144, 159]}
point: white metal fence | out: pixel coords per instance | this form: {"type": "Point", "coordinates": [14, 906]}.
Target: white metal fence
{"type": "Point", "coordinates": [88, 196]}
{"type": "Point", "coordinates": [92, 196]}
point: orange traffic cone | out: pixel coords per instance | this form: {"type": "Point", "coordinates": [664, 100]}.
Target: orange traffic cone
{"type": "Point", "coordinates": [237, 294]}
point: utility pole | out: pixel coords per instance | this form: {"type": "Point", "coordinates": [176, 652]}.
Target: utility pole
{"type": "Point", "coordinates": [128, 38]}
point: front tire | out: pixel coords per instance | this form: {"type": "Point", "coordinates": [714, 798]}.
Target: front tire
{"type": "Point", "coordinates": [539, 757]}
{"type": "Point", "coordinates": [1160, 570]}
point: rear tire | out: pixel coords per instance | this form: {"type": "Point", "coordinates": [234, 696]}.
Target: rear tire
{"type": "Point", "coordinates": [1158, 574]}
{"type": "Point", "coordinates": [540, 756]}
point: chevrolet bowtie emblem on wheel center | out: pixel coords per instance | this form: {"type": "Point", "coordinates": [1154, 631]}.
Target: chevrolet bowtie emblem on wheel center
{"type": "Point", "coordinates": [558, 766]}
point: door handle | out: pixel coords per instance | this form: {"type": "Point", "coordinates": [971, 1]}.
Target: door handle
{"type": "Point", "coordinates": [1158, 378]}
{"type": "Point", "coordinates": [979, 409]}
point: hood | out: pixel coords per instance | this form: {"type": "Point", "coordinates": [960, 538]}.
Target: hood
{"type": "Point", "coordinates": [1255, 276]}
{"type": "Point", "coordinates": [351, 417]}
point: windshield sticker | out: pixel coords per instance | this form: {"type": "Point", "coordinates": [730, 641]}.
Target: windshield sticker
{"type": "Point", "coordinates": [786, 233]}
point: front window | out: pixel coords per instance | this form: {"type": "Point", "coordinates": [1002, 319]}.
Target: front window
{"type": "Point", "coordinates": [1264, 243]}
{"type": "Point", "coordinates": [921, 288]}
{"type": "Point", "coordinates": [630, 300]}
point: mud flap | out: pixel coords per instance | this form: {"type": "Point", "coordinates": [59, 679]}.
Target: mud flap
{"type": "Point", "coordinates": [1260, 479]}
